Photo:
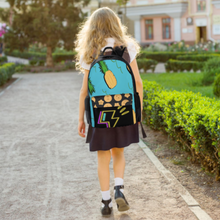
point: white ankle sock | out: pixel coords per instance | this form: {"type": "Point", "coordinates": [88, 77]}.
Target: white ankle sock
{"type": "Point", "coordinates": [118, 182]}
{"type": "Point", "coordinates": [106, 196]}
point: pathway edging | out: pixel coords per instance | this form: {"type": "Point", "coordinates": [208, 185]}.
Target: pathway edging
{"type": "Point", "coordinates": [187, 197]}
{"type": "Point", "coordinates": [8, 87]}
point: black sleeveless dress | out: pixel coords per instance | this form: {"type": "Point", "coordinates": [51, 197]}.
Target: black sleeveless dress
{"type": "Point", "coordinates": [105, 139]}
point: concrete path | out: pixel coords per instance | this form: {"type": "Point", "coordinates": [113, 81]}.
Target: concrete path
{"type": "Point", "coordinates": [160, 68]}
{"type": "Point", "coordinates": [17, 60]}
{"type": "Point", "coordinates": [47, 171]}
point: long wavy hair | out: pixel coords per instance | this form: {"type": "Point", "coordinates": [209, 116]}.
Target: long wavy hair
{"type": "Point", "coordinates": [103, 23]}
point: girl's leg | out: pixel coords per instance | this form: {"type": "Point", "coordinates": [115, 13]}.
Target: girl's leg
{"type": "Point", "coordinates": [119, 167]}
{"type": "Point", "coordinates": [118, 162]}
{"type": "Point", "coordinates": [104, 158]}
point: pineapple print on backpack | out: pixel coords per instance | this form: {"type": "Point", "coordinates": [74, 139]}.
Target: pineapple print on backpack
{"type": "Point", "coordinates": [108, 75]}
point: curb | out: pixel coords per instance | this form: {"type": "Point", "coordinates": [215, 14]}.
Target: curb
{"type": "Point", "coordinates": [8, 87]}
{"type": "Point", "coordinates": [187, 197]}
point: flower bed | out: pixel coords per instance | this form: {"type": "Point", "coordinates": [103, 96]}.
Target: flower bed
{"type": "Point", "coordinates": [191, 119]}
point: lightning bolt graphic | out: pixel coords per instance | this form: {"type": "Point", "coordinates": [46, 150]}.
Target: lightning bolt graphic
{"type": "Point", "coordinates": [119, 67]}
{"type": "Point", "coordinates": [108, 122]}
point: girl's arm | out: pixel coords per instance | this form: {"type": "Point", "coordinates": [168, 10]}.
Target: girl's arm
{"type": "Point", "coordinates": [138, 80]}
{"type": "Point", "coordinates": [82, 96]}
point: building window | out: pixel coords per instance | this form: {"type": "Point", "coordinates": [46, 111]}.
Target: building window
{"type": "Point", "coordinates": [166, 28]}
{"type": "Point", "coordinates": [201, 5]}
{"type": "Point", "coordinates": [149, 29]}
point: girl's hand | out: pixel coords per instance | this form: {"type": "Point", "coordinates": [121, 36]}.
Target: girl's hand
{"type": "Point", "coordinates": [81, 128]}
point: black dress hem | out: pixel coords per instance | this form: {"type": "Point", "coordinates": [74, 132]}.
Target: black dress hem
{"type": "Point", "coordinates": [107, 138]}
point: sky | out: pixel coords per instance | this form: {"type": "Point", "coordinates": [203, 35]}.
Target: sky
{"type": "Point", "coordinates": [3, 4]}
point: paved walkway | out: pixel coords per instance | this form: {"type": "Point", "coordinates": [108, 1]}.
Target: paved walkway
{"type": "Point", "coordinates": [47, 171]}
{"type": "Point", "coordinates": [17, 60]}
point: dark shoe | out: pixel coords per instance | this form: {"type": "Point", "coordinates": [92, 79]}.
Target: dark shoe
{"type": "Point", "coordinates": [106, 210]}
{"type": "Point", "coordinates": [122, 203]}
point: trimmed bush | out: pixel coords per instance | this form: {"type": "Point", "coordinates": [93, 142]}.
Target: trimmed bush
{"type": "Point", "coordinates": [199, 58]}
{"type": "Point", "coordinates": [216, 87]}
{"type": "Point", "coordinates": [57, 57]}
{"type": "Point", "coordinates": [191, 119]}
{"type": "Point", "coordinates": [3, 59]}
{"type": "Point", "coordinates": [211, 69]}
{"type": "Point", "coordinates": [33, 62]}
{"type": "Point", "coordinates": [177, 65]}
{"type": "Point", "coordinates": [25, 54]}
{"type": "Point", "coordinates": [147, 64]}
{"type": "Point", "coordinates": [6, 72]}
{"type": "Point", "coordinates": [69, 65]}
{"type": "Point", "coordinates": [162, 56]}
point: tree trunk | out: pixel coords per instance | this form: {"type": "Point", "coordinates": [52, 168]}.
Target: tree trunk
{"type": "Point", "coordinates": [49, 57]}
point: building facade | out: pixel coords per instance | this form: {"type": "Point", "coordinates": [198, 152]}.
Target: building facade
{"type": "Point", "coordinates": [163, 21]}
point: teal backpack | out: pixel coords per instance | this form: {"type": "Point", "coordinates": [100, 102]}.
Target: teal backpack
{"type": "Point", "coordinates": [112, 99]}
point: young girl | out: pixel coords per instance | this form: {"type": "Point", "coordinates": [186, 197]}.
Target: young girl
{"type": "Point", "coordinates": [103, 29]}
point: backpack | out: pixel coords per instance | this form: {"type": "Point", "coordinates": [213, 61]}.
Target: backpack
{"type": "Point", "coordinates": [112, 99]}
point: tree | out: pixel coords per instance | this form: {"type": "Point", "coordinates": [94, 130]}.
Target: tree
{"type": "Point", "coordinates": [45, 21]}
{"type": "Point", "coordinates": [124, 3]}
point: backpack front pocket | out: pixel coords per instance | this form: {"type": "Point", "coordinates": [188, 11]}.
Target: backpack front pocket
{"type": "Point", "coordinates": [113, 110]}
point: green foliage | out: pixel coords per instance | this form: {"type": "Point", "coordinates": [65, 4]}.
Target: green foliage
{"type": "Point", "coordinates": [177, 65]}
{"type": "Point", "coordinates": [147, 64]}
{"type": "Point", "coordinates": [70, 65]}
{"type": "Point", "coordinates": [25, 54]}
{"type": "Point", "coordinates": [57, 57]}
{"type": "Point", "coordinates": [199, 57]}
{"type": "Point", "coordinates": [216, 87]}
{"type": "Point", "coordinates": [44, 22]}
{"type": "Point", "coordinates": [20, 68]}
{"type": "Point", "coordinates": [37, 62]}
{"type": "Point", "coordinates": [33, 62]}
{"type": "Point", "coordinates": [6, 72]}
{"type": "Point", "coordinates": [3, 59]}
{"type": "Point", "coordinates": [211, 69]}
{"type": "Point", "coordinates": [162, 56]}
{"type": "Point", "coordinates": [191, 119]}
{"type": "Point", "coordinates": [122, 2]}
{"type": "Point", "coordinates": [181, 81]}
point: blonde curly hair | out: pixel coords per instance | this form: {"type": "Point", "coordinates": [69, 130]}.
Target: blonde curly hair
{"type": "Point", "coordinates": [103, 23]}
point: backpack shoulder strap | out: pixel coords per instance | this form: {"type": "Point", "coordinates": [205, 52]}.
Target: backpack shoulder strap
{"type": "Point", "coordinates": [115, 51]}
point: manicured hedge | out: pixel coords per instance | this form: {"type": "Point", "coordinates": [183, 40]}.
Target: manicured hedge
{"type": "Point", "coordinates": [6, 72]}
{"type": "Point", "coordinates": [199, 58]}
{"type": "Point", "coordinates": [57, 57]}
{"type": "Point", "coordinates": [3, 59]}
{"type": "Point", "coordinates": [25, 54]}
{"type": "Point", "coordinates": [147, 64]}
{"type": "Point", "coordinates": [191, 119]}
{"type": "Point", "coordinates": [177, 65]}
{"type": "Point", "coordinates": [162, 56]}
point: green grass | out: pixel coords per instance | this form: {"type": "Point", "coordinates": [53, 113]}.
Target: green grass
{"type": "Point", "coordinates": [180, 81]}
